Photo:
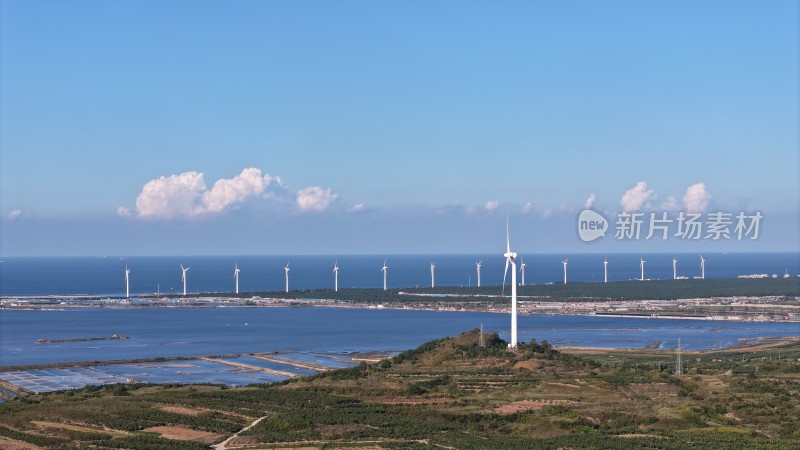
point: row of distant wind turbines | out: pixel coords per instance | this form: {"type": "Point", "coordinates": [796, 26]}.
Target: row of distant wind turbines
{"type": "Point", "coordinates": [433, 273]}
{"type": "Point", "coordinates": [511, 259]}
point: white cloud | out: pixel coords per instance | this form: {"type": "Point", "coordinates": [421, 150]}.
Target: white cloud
{"type": "Point", "coordinates": [172, 196]}
{"type": "Point", "coordinates": [315, 198]}
{"type": "Point", "coordinates": [491, 205]}
{"type": "Point", "coordinates": [671, 204]}
{"type": "Point", "coordinates": [696, 198]}
{"type": "Point", "coordinates": [15, 213]}
{"type": "Point", "coordinates": [635, 197]}
{"type": "Point", "coordinates": [186, 195]}
{"type": "Point", "coordinates": [357, 207]}
{"type": "Point", "coordinates": [470, 210]}
{"type": "Point", "coordinates": [547, 213]}
{"type": "Point", "coordinates": [527, 208]}
{"type": "Point", "coordinates": [247, 184]}
{"type": "Point", "coordinates": [589, 201]}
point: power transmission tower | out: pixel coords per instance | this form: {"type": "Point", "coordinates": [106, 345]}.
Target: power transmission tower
{"type": "Point", "coordinates": [481, 342]}
{"type": "Point", "coordinates": [679, 364]}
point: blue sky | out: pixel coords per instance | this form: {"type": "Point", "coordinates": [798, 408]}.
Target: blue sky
{"type": "Point", "coordinates": [390, 126]}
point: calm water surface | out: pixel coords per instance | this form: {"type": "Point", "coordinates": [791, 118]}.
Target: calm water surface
{"type": "Point", "coordinates": [162, 332]}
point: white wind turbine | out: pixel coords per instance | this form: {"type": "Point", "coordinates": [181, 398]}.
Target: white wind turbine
{"type": "Point", "coordinates": [336, 276]}
{"type": "Point", "coordinates": [605, 271]}
{"type": "Point", "coordinates": [384, 274]}
{"type": "Point", "coordinates": [183, 277]}
{"type": "Point", "coordinates": [286, 269]}
{"type": "Point", "coordinates": [433, 269]}
{"type": "Point", "coordinates": [127, 282]}
{"type": "Point", "coordinates": [702, 268]}
{"type": "Point", "coordinates": [674, 268]}
{"type": "Point", "coordinates": [511, 258]}
{"type": "Point", "coordinates": [478, 265]}
{"type": "Point", "coordinates": [522, 270]}
{"type": "Point", "coordinates": [236, 276]}
{"type": "Point", "coordinates": [641, 265]}
{"type": "Point", "coordinates": [565, 269]}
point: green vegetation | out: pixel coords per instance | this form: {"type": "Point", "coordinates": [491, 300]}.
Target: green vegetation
{"type": "Point", "coordinates": [451, 393]}
{"type": "Point", "coordinates": [584, 291]}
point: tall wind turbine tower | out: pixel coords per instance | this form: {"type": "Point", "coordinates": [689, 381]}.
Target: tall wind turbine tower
{"type": "Point", "coordinates": [183, 277]}
{"type": "Point", "coordinates": [286, 269]}
{"type": "Point", "coordinates": [674, 268]}
{"type": "Point", "coordinates": [641, 265]}
{"type": "Point", "coordinates": [384, 274]}
{"type": "Point", "coordinates": [679, 363]}
{"type": "Point", "coordinates": [336, 276]}
{"type": "Point", "coordinates": [236, 276]}
{"type": "Point", "coordinates": [433, 269]}
{"type": "Point", "coordinates": [127, 282]}
{"type": "Point", "coordinates": [522, 270]}
{"type": "Point", "coordinates": [702, 268]}
{"type": "Point", "coordinates": [565, 269]}
{"type": "Point", "coordinates": [478, 265]}
{"type": "Point", "coordinates": [605, 270]}
{"type": "Point", "coordinates": [511, 258]}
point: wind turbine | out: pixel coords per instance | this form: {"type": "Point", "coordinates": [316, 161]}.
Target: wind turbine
{"type": "Point", "coordinates": [565, 269]}
{"type": "Point", "coordinates": [127, 282]}
{"type": "Point", "coordinates": [702, 268]}
{"type": "Point", "coordinates": [522, 270]}
{"type": "Point", "coordinates": [511, 258]}
{"type": "Point", "coordinates": [433, 269]}
{"type": "Point", "coordinates": [287, 276]}
{"type": "Point", "coordinates": [478, 264]}
{"type": "Point", "coordinates": [236, 275]}
{"type": "Point", "coordinates": [641, 265]}
{"type": "Point", "coordinates": [336, 276]}
{"type": "Point", "coordinates": [183, 277]}
{"type": "Point", "coordinates": [605, 271]}
{"type": "Point", "coordinates": [384, 274]}
{"type": "Point", "coordinates": [674, 268]}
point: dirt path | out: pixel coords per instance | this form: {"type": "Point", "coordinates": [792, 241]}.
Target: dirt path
{"type": "Point", "coordinates": [301, 365]}
{"type": "Point", "coordinates": [249, 367]}
{"type": "Point", "coordinates": [224, 444]}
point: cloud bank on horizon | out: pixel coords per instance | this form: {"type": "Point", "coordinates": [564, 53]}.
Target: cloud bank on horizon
{"type": "Point", "coordinates": [637, 198]}
{"type": "Point", "coordinates": [186, 195]}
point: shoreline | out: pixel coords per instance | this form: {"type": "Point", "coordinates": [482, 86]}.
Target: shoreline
{"type": "Point", "coordinates": [539, 308]}
{"type": "Point", "coordinates": [747, 344]}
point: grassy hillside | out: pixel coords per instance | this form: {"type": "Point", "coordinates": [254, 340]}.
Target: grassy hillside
{"type": "Point", "coordinates": [449, 393]}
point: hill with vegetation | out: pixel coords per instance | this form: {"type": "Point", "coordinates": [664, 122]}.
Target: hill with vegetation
{"type": "Point", "coordinates": [448, 393]}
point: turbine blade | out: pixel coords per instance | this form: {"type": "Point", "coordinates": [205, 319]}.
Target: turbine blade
{"type": "Point", "coordinates": [504, 277]}
{"type": "Point", "coordinates": [508, 238]}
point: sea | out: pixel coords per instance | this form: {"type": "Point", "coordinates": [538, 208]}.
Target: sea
{"type": "Point", "coordinates": [186, 331]}
{"type": "Point", "coordinates": [105, 276]}
{"type": "Point", "coordinates": [183, 331]}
